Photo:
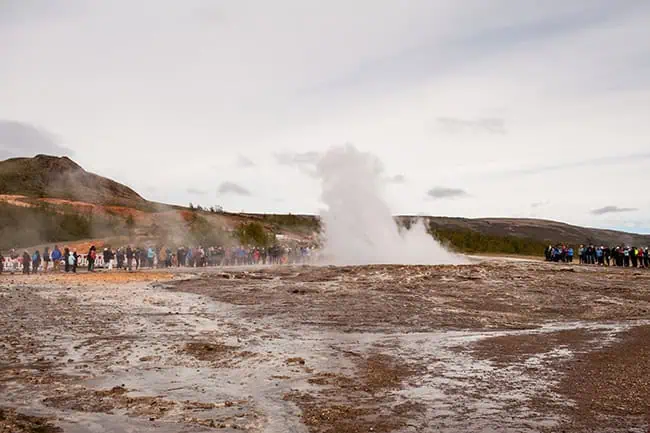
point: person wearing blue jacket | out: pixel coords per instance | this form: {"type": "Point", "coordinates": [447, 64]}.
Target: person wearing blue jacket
{"type": "Point", "coordinates": [56, 258]}
{"type": "Point", "coordinates": [151, 254]}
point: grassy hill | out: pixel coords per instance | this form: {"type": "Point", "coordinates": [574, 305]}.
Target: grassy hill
{"type": "Point", "coordinates": [526, 232]}
{"type": "Point", "coordinates": [60, 177]}
{"type": "Point", "coordinates": [49, 199]}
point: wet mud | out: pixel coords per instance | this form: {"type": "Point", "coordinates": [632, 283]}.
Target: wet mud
{"type": "Point", "coordinates": [496, 346]}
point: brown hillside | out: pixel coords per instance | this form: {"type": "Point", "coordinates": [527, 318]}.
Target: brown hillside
{"type": "Point", "coordinates": [59, 177]}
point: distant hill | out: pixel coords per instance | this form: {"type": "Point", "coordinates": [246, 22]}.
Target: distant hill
{"type": "Point", "coordinates": [46, 199]}
{"type": "Point", "coordinates": [544, 231]}
{"type": "Point", "coordinates": [46, 176]}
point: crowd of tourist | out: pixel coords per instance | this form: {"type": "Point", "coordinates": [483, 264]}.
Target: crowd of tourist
{"type": "Point", "coordinates": [624, 256]}
{"type": "Point", "coordinates": [133, 258]}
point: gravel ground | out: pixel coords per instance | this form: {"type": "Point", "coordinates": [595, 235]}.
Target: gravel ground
{"type": "Point", "coordinates": [496, 346]}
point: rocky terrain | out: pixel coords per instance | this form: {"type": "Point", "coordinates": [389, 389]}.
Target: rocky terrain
{"type": "Point", "coordinates": [495, 346]}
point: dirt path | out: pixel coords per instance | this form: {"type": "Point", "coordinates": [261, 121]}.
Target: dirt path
{"type": "Point", "coordinates": [508, 347]}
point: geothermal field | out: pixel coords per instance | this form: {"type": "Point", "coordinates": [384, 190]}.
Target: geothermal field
{"type": "Point", "coordinates": [441, 343]}
{"type": "Point", "coordinates": [495, 346]}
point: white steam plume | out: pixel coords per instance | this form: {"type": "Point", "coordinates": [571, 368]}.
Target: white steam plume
{"type": "Point", "coordinates": [358, 226]}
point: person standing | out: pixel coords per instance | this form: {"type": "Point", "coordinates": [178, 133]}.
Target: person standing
{"type": "Point", "coordinates": [108, 259]}
{"type": "Point", "coordinates": [26, 262]}
{"type": "Point", "coordinates": [120, 258]}
{"type": "Point", "coordinates": [2, 263]}
{"type": "Point", "coordinates": [66, 258]}
{"type": "Point", "coordinates": [162, 257]}
{"type": "Point", "coordinates": [92, 255]}
{"type": "Point", "coordinates": [56, 258]}
{"type": "Point", "coordinates": [75, 260]}
{"type": "Point", "coordinates": [150, 256]}
{"type": "Point", "coordinates": [46, 259]}
{"type": "Point", "coordinates": [168, 261]}
{"type": "Point", "coordinates": [36, 261]}
{"type": "Point", "coordinates": [581, 254]}
{"type": "Point", "coordinates": [600, 257]}
{"type": "Point", "coordinates": [129, 258]}
{"type": "Point", "coordinates": [619, 257]}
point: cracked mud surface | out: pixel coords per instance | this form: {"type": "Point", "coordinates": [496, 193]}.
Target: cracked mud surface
{"type": "Point", "coordinates": [496, 346]}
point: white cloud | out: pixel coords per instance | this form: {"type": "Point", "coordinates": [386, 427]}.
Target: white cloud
{"type": "Point", "coordinates": [543, 94]}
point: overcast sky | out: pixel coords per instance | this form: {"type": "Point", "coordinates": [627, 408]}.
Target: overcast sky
{"type": "Point", "coordinates": [477, 108]}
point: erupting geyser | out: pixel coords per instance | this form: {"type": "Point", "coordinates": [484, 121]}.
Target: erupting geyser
{"type": "Point", "coordinates": [358, 226]}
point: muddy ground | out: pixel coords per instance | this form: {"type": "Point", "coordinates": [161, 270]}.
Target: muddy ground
{"type": "Point", "coordinates": [489, 347]}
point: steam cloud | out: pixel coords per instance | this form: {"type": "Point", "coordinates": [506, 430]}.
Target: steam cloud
{"type": "Point", "coordinates": [358, 224]}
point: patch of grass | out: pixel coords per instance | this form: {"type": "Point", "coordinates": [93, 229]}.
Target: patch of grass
{"type": "Point", "coordinates": [468, 241]}
{"type": "Point", "coordinates": [25, 226]}
{"type": "Point", "coordinates": [306, 223]}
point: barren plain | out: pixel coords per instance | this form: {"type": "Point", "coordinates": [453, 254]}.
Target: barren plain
{"type": "Point", "coordinates": [498, 346]}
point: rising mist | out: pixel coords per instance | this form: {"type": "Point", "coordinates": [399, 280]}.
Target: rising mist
{"type": "Point", "coordinates": [358, 226]}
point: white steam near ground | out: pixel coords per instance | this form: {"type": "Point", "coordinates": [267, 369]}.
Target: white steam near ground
{"type": "Point", "coordinates": [358, 226]}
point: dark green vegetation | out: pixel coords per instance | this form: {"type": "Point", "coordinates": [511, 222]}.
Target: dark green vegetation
{"type": "Point", "coordinates": [467, 241]}
{"type": "Point", "coordinates": [543, 232]}
{"type": "Point", "coordinates": [23, 226]}
{"type": "Point", "coordinates": [300, 223]}
{"type": "Point", "coordinates": [201, 232]}
{"type": "Point", "coordinates": [253, 233]}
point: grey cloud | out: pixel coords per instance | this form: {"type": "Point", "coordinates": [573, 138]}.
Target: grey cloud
{"type": "Point", "coordinates": [612, 209]}
{"type": "Point", "coordinates": [24, 139]}
{"type": "Point", "coordinates": [297, 158]}
{"type": "Point", "coordinates": [443, 192]}
{"type": "Point", "coordinates": [398, 178]}
{"type": "Point", "coordinates": [304, 161]}
{"type": "Point", "coordinates": [232, 188]}
{"type": "Point", "coordinates": [490, 125]}
{"type": "Point", "coordinates": [594, 162]}
{"type": "Point", "coordinates": [196, 191]}
{"type": "Point", "coordinates": [245, 162]}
